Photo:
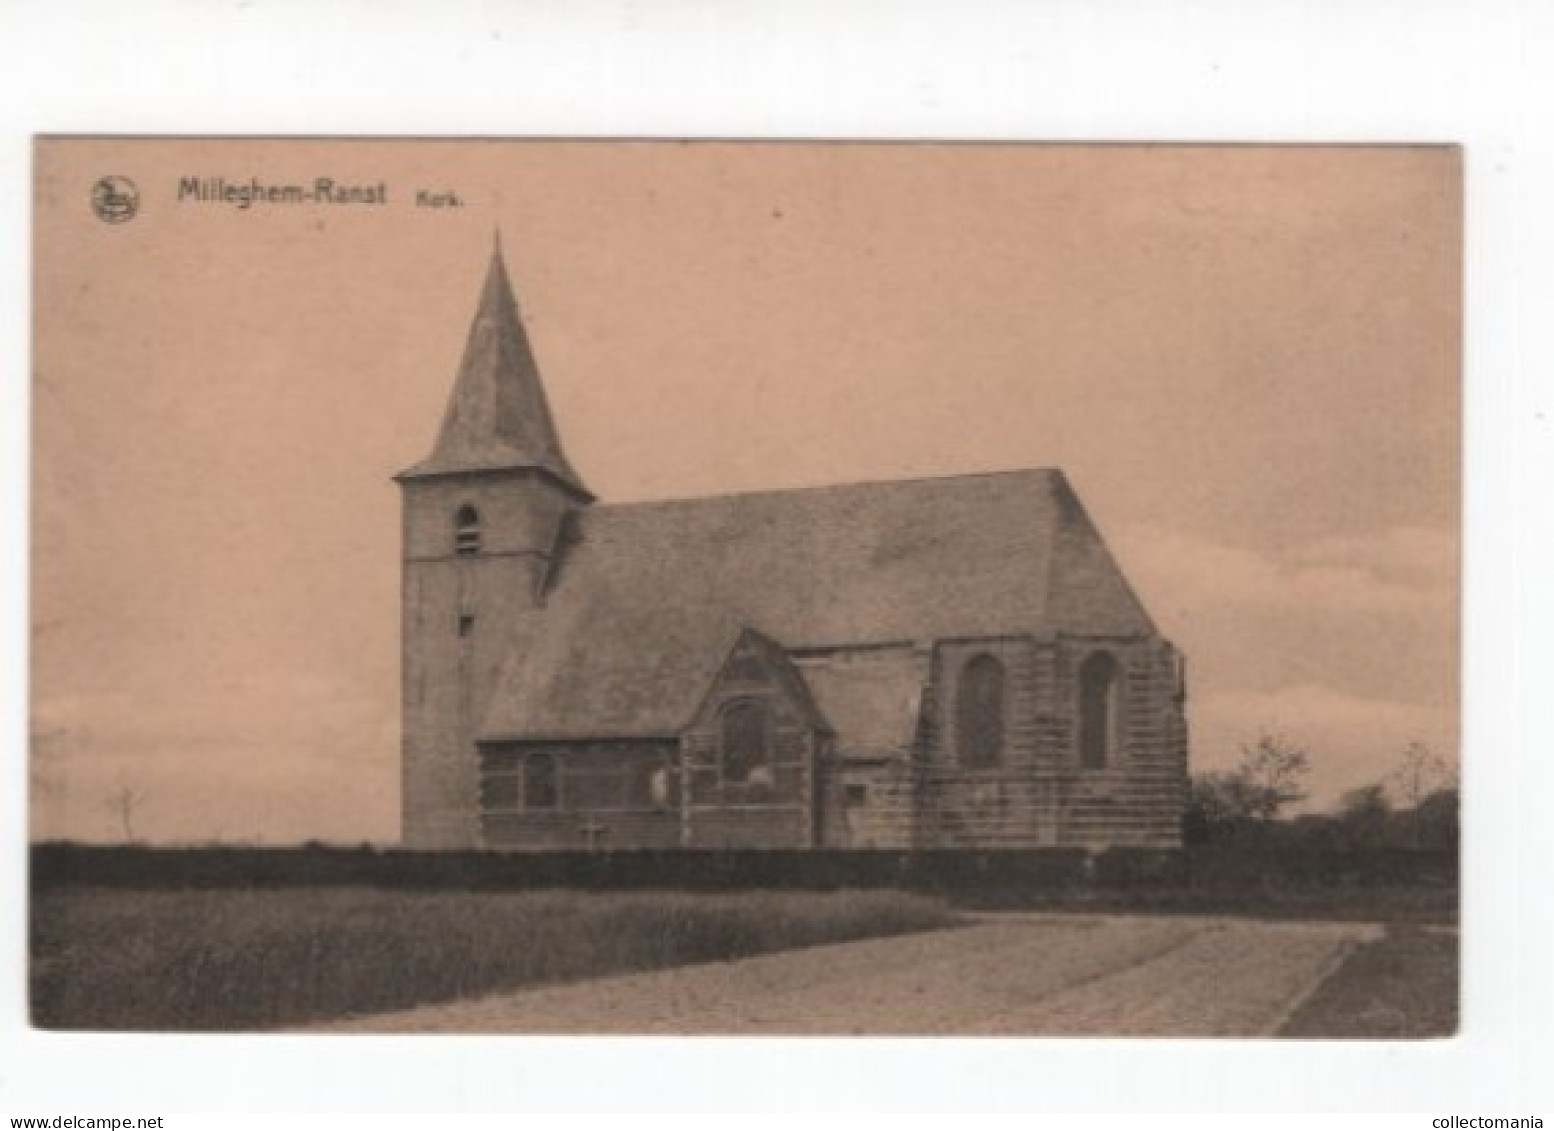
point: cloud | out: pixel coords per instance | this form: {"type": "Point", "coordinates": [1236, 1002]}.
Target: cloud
{"type": "Point", "coordinates": [1318, 707]}
{"type": "Point", "coordinates": [1373, 617]}
{"type": "Point", "coordinates": [1401, 570]}
{"type": "Point", "coordinates": [1421, 558]}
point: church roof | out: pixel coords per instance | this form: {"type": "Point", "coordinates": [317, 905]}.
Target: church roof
{"type": "Point", "coordinates": [498, 417]}
{"type": "Point", "coordinates": [649, 597]}
{"type": "Point", "coordinates": [873, 704]}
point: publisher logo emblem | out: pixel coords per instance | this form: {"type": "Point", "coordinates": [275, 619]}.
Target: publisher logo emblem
{"type": "Point", "coordinates": [115, 200]}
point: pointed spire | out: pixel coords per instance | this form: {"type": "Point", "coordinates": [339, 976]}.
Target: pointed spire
{"type": "Point", "coordinates": [498, 417]}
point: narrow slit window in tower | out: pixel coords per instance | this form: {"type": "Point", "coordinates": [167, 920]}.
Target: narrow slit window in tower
{"type": "Point", "coordinates": [466, 531]}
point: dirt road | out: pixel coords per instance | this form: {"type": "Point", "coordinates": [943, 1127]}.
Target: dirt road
{"type": "Point", "coordinates": [1026, 975]}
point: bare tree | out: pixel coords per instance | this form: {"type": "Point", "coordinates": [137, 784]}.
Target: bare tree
{"type": "Point", "coordinates": [1273, 770]}
{"type": "Point", "coordinates": [1421, 773]}
{"type": "Point", "coordinates": [123, 803]}
{"type": "Point", "coordinates": [1264, 783]}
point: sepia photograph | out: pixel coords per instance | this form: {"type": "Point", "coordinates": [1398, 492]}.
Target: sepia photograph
{"type": "Point", "coordinates": [725, 588]}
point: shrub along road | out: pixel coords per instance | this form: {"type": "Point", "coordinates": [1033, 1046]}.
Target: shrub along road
{"type": "Point", "coordinates": [1021, 974]}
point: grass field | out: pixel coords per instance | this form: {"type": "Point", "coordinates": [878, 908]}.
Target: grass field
{"type": "Point", "coordinates": [1404, 985]}
{"type": "Point", "coordinates": [244, 960]}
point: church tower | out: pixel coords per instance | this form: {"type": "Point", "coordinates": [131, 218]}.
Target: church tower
{"type": "Point", "coordinates": [484, 518]}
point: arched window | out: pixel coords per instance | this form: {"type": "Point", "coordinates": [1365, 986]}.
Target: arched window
{"type": "Point", "coordinates": [979, 712]}
{"type": "Point", "coordinates": [539, 782]}
{"type": "Point", "coordinates": [466, 531]}
{"type": "Point", "coordinates": [1097, 710]}
{"type": "Point", "coordinates": [746, 741]}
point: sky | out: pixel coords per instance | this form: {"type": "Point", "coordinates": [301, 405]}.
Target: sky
{"type": "Point", "coordinates": [1247, 360]}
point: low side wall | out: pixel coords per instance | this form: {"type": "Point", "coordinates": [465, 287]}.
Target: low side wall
{"type": "Point", "coordinates": [949, 872]}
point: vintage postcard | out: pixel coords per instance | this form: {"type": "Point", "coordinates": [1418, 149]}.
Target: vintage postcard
{"type": "Point", "coordinates": [732, 588]}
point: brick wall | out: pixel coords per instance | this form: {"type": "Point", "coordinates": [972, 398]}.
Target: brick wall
{"type": "Point", "coordinates": [456, 617]}
{"type": "Point", "coordinates": [607, 795]}
{"type": "Point", "coordinates": [870, 804]}
{"type": "Point", "coordinates": [1040, 794]}
{"type": "Point", "coordinates": [457, 611]}
{"type": "Point", "coordinates": [777, 811]}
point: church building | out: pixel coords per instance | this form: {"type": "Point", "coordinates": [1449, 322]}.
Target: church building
{"type": "Point", "coordinates": [931, 663]}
